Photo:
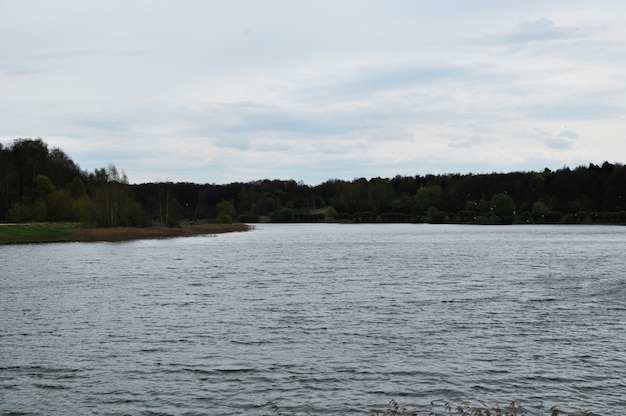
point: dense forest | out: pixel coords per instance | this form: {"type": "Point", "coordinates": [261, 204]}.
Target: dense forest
{"type": "Point", "coordinates": [42, 184]}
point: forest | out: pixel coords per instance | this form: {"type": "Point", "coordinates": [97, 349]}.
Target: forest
{"type": "Point", "coordinates": [39, 183]}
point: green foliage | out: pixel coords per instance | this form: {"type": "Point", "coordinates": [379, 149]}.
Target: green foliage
{"type": "Point", "coordinates": [329, 213]}
{"type": "Point", "coordinates": [267, 204]}
{"type": "Point", "coordinates": [42, 184]}
{"type": "Point", "coordinates": [251, 216]}
{"type": "Point", "coordinates": [539, 211]}
{"type": "Point", "coordinates": [503, 208]}
{"type": "Point", "coordinates": [226, 209]}
{"type": "Point", "coordinates": [428, 196]}
{"type": "Point", "coordinates": [43, 187]}
{"type": "Point", "coordinates": [466, 216]}
{"type": "Point", "coordinates": [39, 183]}
{"type": "Point", "coordinates": [364, 216]}
{"type": "Point", "coordinates": [174, 213]}
{"type": "Point", "coordinates": [137, 217]}
{"type": "Point", "coordinates": [435, 216]}
{"type": "Point", "coordinates": [453, 198]}
{"type": "Point", "coordinates": [224, 218]}
{"type": "Point", "coordinates": [284, 215]}
{"type": "Point", "coordinates": [394, 217]}
{"type": "Point", "coordinates": [76, 188]}
{"type": "Point", "coordinates": [112, 202]}
{"type": "Point", "coordinates": [553, 216]}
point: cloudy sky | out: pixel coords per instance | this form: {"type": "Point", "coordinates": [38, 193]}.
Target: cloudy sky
{"type": "Point", "coordinates": [241, 90]}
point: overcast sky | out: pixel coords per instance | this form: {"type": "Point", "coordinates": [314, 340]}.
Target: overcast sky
{"type": "Point", "coordinates": [225, 91]}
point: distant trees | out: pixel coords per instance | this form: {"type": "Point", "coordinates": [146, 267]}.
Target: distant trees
{"type": "Point", "coordinates": [502, 208]}
{"type": "Point", "coordinates": [225, 212]}
{"type": "Point", "coordinates": [112, 204]}
{"type": "Point", "coordinates": [587, 194]}
{"type": "Point", "coordinates": [34, 183]}
{"type": "Point", "coordinates": [42, 184]}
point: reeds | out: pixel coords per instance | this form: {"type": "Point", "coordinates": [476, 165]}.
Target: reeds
{"type": "Point", "coordinates": [131, 233]}
{"type": "Point", "coordinates": [513, 409]}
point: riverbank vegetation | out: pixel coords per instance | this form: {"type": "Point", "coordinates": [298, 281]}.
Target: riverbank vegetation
{"type": "Point", "coordinates": [36, 232]}
{"type": "Point", "coordinates": [39, 184]}
{"type": "Point", "coordinates": [134, 233]}
{"type": "Point", "coordinates": [58, 232]}
{"type": "Point", "coordinates": [512, 409]}
{"type": "Point", "coordinates": [447, 409]}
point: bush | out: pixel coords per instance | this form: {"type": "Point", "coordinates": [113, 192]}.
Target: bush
{"type": "Point", "coordinates": [438, 217]}
{"type": "Point", "coordinates": [224, 218]}
{"type": "Point", "coordinates": [365, 216]}
{"type": "Point", "coordinates": [570, 219]}
{"type": "Point", "coordinates": [466, 215]}
{"type": "Point", "coordinates": [138, 218]}
{"type": "Point", "coordinates": [553, 216]}
{"type": "Point", "coordinates": [284, 215]}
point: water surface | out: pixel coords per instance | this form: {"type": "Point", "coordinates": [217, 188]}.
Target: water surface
{"type": "Point", "coordinates": [318, 319]}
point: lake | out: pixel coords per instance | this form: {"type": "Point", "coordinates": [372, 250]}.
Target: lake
{"type": "Point", "coordinates": [322, 319]}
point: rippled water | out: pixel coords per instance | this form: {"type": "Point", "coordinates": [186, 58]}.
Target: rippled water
{"type": "Point", "coordinates": [318, 319]}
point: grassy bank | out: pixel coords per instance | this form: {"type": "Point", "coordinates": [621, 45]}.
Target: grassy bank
{"type": "Point", "coordinates": [56, 232]}
{"type": "Point", "coordinates": [40, 232]}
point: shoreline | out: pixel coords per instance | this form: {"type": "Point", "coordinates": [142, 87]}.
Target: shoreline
{"type": "Point", "coordinates": [37, 233]}
{"type": "Point", "coordinates": [151, 233]}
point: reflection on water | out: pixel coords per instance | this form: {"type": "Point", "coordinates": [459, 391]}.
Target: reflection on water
{"type": "Point", "coordinates": [317, 319]}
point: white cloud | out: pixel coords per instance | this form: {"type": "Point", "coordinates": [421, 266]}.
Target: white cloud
{"type": "Point", "coordinates": [242, 90]}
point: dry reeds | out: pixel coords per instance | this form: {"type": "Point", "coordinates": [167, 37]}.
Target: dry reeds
{"type": "Point", "coordinates": [514, 409]}
{"type": "Point", "coordinates": [395, 409]}
{"type": "Point", "coordinates": [131, 233]}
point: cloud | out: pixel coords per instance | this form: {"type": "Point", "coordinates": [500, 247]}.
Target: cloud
{"type": "Point", "coordinates": [241, 90]}
{"type": "Point", "coordinates": [531, 31]}
{"type": "Point", "coordinates": [18, 70]}
{"type": "Point", "coordinates": [106, 125]}
{"type": "Point", "coordinates": [541, 30]}
{"type": "Point", "coordinates": [592, 108]}
{"type": "Point", "coordinates": [380, 79]}
{"type": "Point", "coordinates": [564, 140]}
{"type": "Point", "coordinates": [468, 143]}
{"type": "Point", "coordinates": [568, 134]}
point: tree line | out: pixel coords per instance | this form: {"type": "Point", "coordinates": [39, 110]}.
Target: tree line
{"type": "Point", "coordinates": [592, 193]}
{"type": "Point", "coordinates": [38, 183]}
{"type": "Point", "coordinates": [42, 184]}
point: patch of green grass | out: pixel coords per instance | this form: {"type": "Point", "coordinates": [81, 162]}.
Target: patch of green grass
{"type": "Point", "coordinates": [36, 232]}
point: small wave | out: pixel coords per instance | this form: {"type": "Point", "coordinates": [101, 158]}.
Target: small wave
{"type": "Point", "coordinates": [543, 300]}
{"type": "Point", "coordinates": [235, 370]}
{"type": "Point", "coordinates": [58, 373]}
{"type": "Point", "coordinates": [249, 342]}
{"type": "Point", "coordinates": [49, 386]}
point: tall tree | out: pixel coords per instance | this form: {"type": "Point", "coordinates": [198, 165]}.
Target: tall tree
{"type": "Point", "coordinates": [29, 156]}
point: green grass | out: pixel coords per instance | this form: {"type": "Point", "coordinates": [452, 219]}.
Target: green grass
{"type": "Point", "coordinates": [39, 232]}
